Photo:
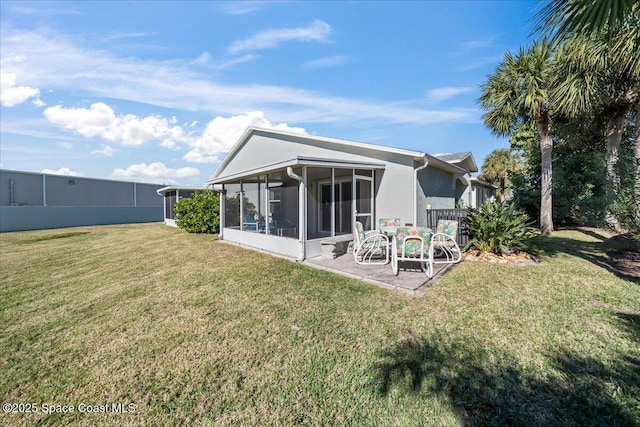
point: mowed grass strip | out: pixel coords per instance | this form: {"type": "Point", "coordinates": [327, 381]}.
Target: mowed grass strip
{"type": "Point", "coordinates": [197, 332]}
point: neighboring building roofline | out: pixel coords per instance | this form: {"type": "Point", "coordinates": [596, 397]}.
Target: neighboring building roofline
{"type": "Point", "coordinates": [483, 182]}
{"type": "Point", "coordinates": [59, 175]}
{"type": "Point", "coordinates": [456, 158]}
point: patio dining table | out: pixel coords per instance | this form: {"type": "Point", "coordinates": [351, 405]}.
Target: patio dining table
{"type": "Point", "coordinates": [389, 230]}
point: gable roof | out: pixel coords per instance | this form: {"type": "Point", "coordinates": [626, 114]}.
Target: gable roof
{"type": "Point", "coordinates": [458, 158]}
{"type": "Point", "coordinates": [415, 155]}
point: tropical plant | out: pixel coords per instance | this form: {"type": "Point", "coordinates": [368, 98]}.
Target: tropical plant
{"type": "Point", "coordinates": [199, 213]}
{"type": "Point", "coordinates": [616, 24]}
{"type": "Point", "coordinates": [589, 78]}
{"type": "Point", "coordinates": [498, 168]}
{"type": "Point", "coordinates": [518, 91]}
{"type": "Point", "coordinates": [562, 19]}
{"type": "Point", "coordinates": [498, 227]}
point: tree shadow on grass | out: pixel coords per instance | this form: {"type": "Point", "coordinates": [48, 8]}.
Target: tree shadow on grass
{"type": "Point", "coordinates": [578, 391]}
{"type": "Point", "coordinates": [595, 252]}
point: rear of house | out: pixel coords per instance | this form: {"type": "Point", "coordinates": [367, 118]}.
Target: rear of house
{"type": "Point", "coordinates": [285, 192]}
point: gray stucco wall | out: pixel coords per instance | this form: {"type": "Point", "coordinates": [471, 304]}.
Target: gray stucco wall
{"type": "Point", "coordinates": [435, 189]}
{"type": "Point", "coordinates": [394, 184]}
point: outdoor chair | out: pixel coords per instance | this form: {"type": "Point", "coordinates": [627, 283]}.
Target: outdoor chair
{"type": "Point", "coordinates": [413, 244]}
{"type": "Point", "coordinates": [249, 223]}
{"type": "Point", "coordinates": [443, 242]}
{"type": "Point", "coordinates": [370, 247]}
{"type": "Point", "coordinates": [388, 222]}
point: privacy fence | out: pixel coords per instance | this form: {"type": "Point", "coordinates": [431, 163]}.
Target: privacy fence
{"type": "Point", "coordinates": [433, 215]}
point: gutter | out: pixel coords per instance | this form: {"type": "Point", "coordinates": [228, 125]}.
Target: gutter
{"type": "Point", "coordinates": [415, 190]}
{"type": "Point", "coordinates": [302, 202]}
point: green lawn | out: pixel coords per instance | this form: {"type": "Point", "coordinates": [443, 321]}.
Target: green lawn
{"type": "Point", "coordinates": [196, 332]}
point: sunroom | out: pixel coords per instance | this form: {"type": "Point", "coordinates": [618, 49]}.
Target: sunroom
{"type": "Point", "coordinates": [292, 208]}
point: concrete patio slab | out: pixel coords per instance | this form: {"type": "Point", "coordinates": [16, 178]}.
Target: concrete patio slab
{"type": "Point", "coordinates": [410, 279]}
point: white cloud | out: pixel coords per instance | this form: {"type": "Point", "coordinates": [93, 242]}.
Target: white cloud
{"type": "Point", "coordinates": [475, 44]}
{"type": "Point", "coordinates": [105, 151]}
{"type": "Point", "coordinates": [318, 31]}
{"type": "Point", "coordinates": [62, 171]}
{"type": "Point", "coordinates": [442, 93]}
{"type": "Point", "coordinates": [53, 61]}
{"type": "Point", "coordinates": [243, 7]}
{"type": "Point", "coordinates": [65, 145]}
{"type": "Point", "coordinates": [206, 60]}
{"type": "Point", "coordinates": [101, 121]}
{"type": "Point", "coordinates": [330, 61]}
{"type": "Point", "coordinates": [155, 172]}
{"type": "Point", "coordinates": [12, 95]}
{"type": "Point", "coordinates": [222, 133]}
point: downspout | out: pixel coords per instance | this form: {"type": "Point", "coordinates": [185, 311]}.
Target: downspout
{"type": "Point", "coordinates": [219, 188]}
{"type": "Point", "coordinates": [164, 206]}
{"type": "Point", "coordinates": [302, 201]}
{"type": "Point", "coordinates": [415, 190]}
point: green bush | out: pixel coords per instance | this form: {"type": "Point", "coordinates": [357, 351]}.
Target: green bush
{"type": "Point", "coordinates": [199, 213]}
{"type": "Point", "coordinates": [498, 227]}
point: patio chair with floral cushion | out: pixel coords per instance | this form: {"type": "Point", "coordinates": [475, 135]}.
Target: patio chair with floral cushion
{"type": "Point", "coordinates": [370, 247]}
{"type": "Point", "coordinates": [413, 244]}
{"type": "Point", "coordinates": [388, 222]}
{"type": "Point", "coordinates": [443, 242]}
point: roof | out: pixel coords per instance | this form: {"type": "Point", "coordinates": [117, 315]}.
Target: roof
{"type": "Point", "coordinates": [482, 182]}
{"type": "Point", "coordinates": [163, 190]}
{"type": "Point", "coordinates": [456, 158]}
{"type": "Point", "coordinates": [416, 155]}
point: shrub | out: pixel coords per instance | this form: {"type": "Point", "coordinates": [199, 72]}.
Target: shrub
{"type": "Point", "coordinates": [498, 227]}
{"type": "Point", "coordinates": [199, 213]}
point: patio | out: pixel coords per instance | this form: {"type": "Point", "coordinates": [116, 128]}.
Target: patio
{"type": "Point", "coordinates": [410, 279]}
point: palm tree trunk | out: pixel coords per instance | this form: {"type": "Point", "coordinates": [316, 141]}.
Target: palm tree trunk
{"type": "Point", "coordinates": [614, 137]}
{"type": "Point", "coordinates": [546, 201]}
{"type": "Point", "coordinates": [637, 158]}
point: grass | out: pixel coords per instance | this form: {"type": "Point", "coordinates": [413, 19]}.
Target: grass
{"type": "Point", "coordinates": [196, 332]}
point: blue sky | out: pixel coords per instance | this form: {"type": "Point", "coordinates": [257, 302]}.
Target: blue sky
{"type": "Point", "coordinates": [160, 91]}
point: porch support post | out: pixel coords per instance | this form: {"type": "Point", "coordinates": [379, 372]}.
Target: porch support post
{"type": "Point", "coordinates": [222, 200]}
{"type": "Point", "coordinates": [302, 213]}
{"type": "Point", "coordinates": [333, 203]}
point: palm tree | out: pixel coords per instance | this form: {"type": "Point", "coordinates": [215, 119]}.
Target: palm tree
{"type": "Point", "coordinates": [566, 18]}
{"type": "Point", "coordinates": [497, 169]}
{"type": "Point", "coordinates": [519, 91]}
{"type": "Point", "coordinates": [620, 19]}
{"type": "Point", "coordinates": [592, 73]}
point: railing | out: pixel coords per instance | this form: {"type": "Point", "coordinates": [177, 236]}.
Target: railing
{"type": "Point", "coordinates": [433, 215]}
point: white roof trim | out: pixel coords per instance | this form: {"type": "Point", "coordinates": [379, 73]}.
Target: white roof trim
{"type": "Point", "coordinates": [163, 190]}
{"type": "Point", "coordinates": [298, 161]}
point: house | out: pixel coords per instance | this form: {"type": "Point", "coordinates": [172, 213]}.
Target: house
{"type": "Point", "coordinates": [470, 191]}
{"type": "Point", "coordinates": [171, 195]}
{"type": "Point", "coordinates": [286, 192]}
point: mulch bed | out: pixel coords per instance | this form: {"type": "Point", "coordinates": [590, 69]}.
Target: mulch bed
{"type": "Point", "coordinates": [512, 258]}
{"type": "Point", "coordinates": [627, 259]}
